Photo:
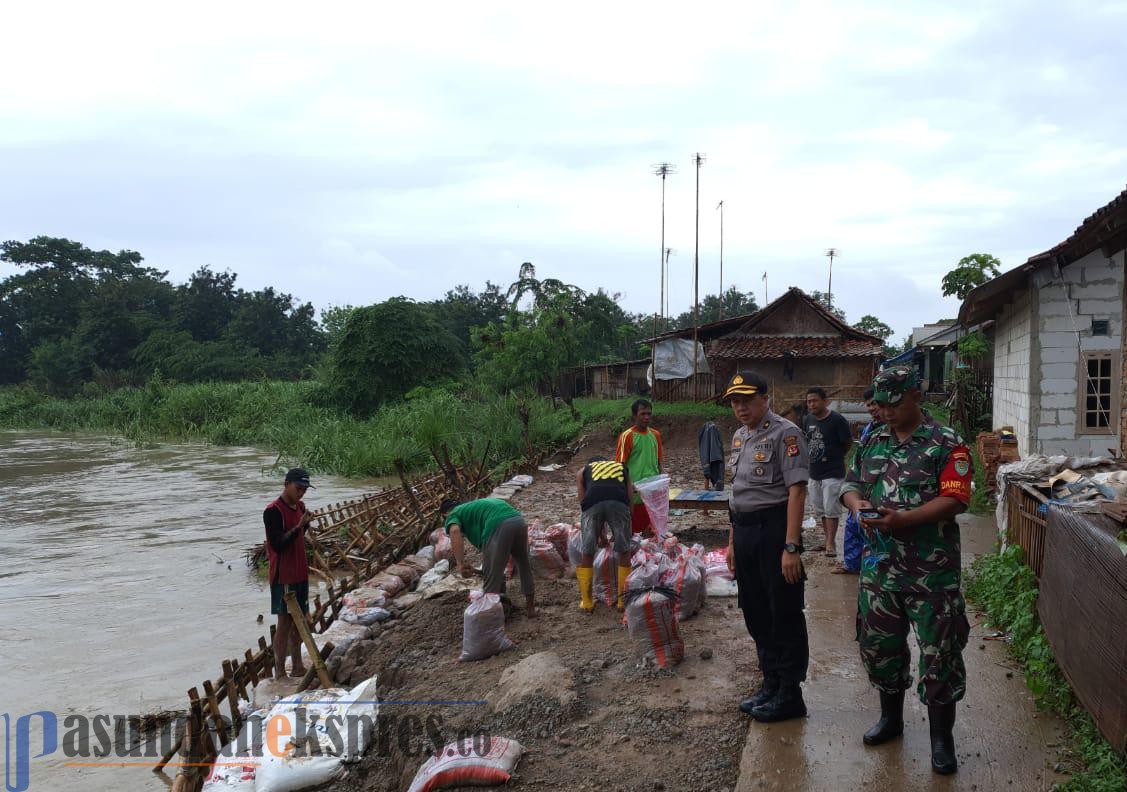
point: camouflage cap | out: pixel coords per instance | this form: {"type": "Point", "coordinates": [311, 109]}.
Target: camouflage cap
{"type": "Point", "coordinates": [891, 384]}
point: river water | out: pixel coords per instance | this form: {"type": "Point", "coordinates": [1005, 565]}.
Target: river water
{"type": "Point", "coordinates": [122, 579]}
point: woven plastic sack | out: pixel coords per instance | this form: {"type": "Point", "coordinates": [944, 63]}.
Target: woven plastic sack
{"type": "Point", "coordinates": [391, 584]}
{"type": "Point", "coordinates": [420, 561]}
{"type": "Point", "coordinates": [645, 575]}
{"type": "Point", "coordinates": [434, 575]}
{"type": "Point", "coordinates": [574, 545]}
{"type": "Point", "coordinates": [652, 622]}
{"type": "Point", "coordinates": [686, 578]}
{"type": "Point", "coordinates": [461, 764]}
{"type": "Point", "coordinates": [443, 547]}
{"type": "Point", "coordinates": [365, 616]}
{"type": "Point", "coordinates": [405, 572]}
{"type": "Point", "coordinates": [720, 587]}
{"type": "Point", "coordinates": [557, 534]}
{"type": "Point", "coordinates": [545, 561]}
{"type": "Point", "coordinates": [605, 587]}
{"type": "Point", "coordinates": [716, 564]}
{"type": "Point", "coordinates": [483, 627]}
{"type": "Point", "coordinates": [655, 495]}
{"type": "Point", "coordinates": [365, 597]}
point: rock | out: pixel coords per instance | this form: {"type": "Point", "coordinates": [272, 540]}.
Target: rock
{"type": "Point", "coordinates": [542, 673]}
{"type": "Point", "coordinates": [706, 654]}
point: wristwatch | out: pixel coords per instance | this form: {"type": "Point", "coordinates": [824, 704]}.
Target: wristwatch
{"type": "Point", "coordinates": [791, 547]}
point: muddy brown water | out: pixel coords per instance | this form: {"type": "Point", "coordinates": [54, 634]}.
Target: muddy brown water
{"type": "Point", "coordinates": [122, 579]}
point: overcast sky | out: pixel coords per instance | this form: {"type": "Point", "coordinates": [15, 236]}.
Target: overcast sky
{"type": "Point", "coordinates": [350, 153]}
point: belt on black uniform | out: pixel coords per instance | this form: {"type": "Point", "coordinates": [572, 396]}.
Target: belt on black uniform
{"type": "Point", "coordinates": [759, 516]}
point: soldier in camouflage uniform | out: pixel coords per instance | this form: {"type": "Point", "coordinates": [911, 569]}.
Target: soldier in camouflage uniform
{"type": "Point", "coordinates": [917, 475]}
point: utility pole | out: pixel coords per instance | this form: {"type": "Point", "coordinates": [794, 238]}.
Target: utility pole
{"type": "Point", "coordinates": [665, 286]}
{"type": "Point", "coordinates": [662, 169]}
{"type": "Point", "coordinates": [720, 206]}
{"type": "Point", "coordinates": [698, 160]}
{"type": "Point", "coordinates": [764, 288]}
{"type": "Point", "coordinates": [830, 253]}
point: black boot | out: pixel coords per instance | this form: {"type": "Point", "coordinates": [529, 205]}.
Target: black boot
{"type": "Point", "coordinates": [765, 693]}
{"type": "Point", "coordinates": [786, 704]}
{"type": "Point", "coordinates": [942, 720]}
{"type": "Point", "coordinates": [891, 723]}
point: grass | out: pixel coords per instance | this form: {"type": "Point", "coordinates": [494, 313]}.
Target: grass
{"type": "Point", "coordinates": [293, 420]}
{"type": "Point", "coordinates": [1007, 590]}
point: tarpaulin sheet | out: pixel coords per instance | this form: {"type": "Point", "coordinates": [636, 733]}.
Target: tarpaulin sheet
{"type": "Point", "coordinates": [1083, 607]}
{"type": "Point", "coordinates": [673, 359]}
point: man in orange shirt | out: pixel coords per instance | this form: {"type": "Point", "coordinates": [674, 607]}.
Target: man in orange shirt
{"type": "Point", "coordinates": [639, 449]}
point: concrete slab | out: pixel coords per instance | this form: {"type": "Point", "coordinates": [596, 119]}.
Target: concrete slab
{"type": "Point", "coordinates": [1001, 740]}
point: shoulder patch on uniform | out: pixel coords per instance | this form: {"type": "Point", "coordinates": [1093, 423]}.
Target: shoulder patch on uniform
{"type": "Point", "coordinates": [962, 466]}
{"type": "Point", "coordinates": [792, 445]}
{"type": "Point", "coordinates": [737, 442]}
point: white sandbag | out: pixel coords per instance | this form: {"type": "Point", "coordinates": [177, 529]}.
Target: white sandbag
{"type": "Point", "coordinates": [557, 534]}
{"type": "Point", "coordinates": [655, 495]}
{"type": "Point", "coordinates": [716, 564]}
{"type": "Point", "coordinates": [716, 586]}
{"type": "Point", "coordinates": [408, 573]}
{"type": "Point", "coordinates": [687, 579]}
{"type": "Point", "coordinates": [365, 597]}
{"type": "Point", "coordinates": [461, 764]}
{"type": "Point", "coordinates": [605, 587]}
{"type": "Point", "coordinates": [341, 634]}
{"type": "Point", "coordinates": [545, 561]}
{"type": "Point", "coordinates": [365, 616]}
{"type": "Point", "coordinates": [305, 766]}
{"type": "Point", "coordinates": [574, 546]}
{"type": "Point", "coordinates": [653, 627]}
{"type": "Point", "coordinates": [427, 553]}
{"type": "Point", "coordinates": [645, 575]}
{"type": "Point", "coordinates": [436, 573]}
{"type": "Point", "coordinates": [233, 772]}
{"type": "Point", "coordinates": [483, 627]}
{"type": "Point", "coordinates": [521, 480]}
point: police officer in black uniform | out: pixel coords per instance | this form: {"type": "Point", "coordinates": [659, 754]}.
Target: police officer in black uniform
{"type": "Point", "coordinates": [769, 468]}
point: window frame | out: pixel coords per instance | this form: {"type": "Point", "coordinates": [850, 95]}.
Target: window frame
{"type": "Point", "coordinates": [1112, 427]}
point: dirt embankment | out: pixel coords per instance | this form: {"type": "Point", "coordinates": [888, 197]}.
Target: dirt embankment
{"type": "Point", "coordinates": [619, 725]}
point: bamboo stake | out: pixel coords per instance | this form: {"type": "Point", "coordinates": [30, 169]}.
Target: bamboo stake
{"type": "Point", "coordinates": [306, 680]}
{"type": "Point", "coordinates": [303, 631]}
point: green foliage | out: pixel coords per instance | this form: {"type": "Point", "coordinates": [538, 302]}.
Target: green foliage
{"type": "Point", "coordinates": [386, 350]}
{"type": "Point", "coordinates": [873, 326]}
{"type": "Point", "coordinates": [70, 315]}
{"type": "Point", "coordinates": [971, 271]}
{"type": "Point", "coordinates": [825, 300]}
{"type": "Point", "coordinates": [733, 301]}
{"type": "Point", "coordinates": [973, 346]}
{"type": "Point", "coordinates": [1007, 590]}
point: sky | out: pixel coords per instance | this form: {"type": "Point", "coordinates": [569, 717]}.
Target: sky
{"type": "Point", "coordinates": [347, 153]}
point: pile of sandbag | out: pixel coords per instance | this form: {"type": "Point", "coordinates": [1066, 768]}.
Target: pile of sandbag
{"type": "Point", "coordinates": [511, 487]}
{"type": "Point", "coordinates": [322, 717]}
{"type": "Point", "coordinates": [545, 560]}
{"type": "Point", "coordinates": [469, 763]}
{"type": "Point", "coordinates": [483, 627]}
{"type": "Point", "coordinates": [557, 534]}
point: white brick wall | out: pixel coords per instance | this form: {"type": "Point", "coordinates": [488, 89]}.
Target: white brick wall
{"type": "Point", "coordinates": [1067, 302]}
{"type": "Point", "coordinates": [1011, 370]}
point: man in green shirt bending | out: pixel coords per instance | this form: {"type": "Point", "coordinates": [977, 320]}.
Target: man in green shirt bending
{"type": "Point", "coordinates": [499, 532]}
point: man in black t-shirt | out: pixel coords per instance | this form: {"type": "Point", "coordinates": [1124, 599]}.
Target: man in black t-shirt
{"type": "Point", "coordinates": [828, 439]}
{"type": "Point", "coordinates": [605, 493]}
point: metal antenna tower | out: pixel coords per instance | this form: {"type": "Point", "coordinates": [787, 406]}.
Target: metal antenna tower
{"type": "Point", "coordinates": [720, 206]}
{"type": "Point", "coordinates": [662, 169]}
{"type": "Point", "coordinates": [698, 160]}
{"type": "Point", "coordinates": [831, 253]}
{"type": "Point", "coordinates": [668, 253]}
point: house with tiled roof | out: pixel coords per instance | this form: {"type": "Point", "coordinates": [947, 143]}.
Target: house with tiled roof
{"type": "Point", "coordinates": [1058, 340]}
{"type": "Point", "coordinates": [796, 343]}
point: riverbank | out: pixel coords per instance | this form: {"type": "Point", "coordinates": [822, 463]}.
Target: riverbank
{"type": "Point", "coordinates": [291, 420]}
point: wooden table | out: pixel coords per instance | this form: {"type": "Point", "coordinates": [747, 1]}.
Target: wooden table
{"type": "Point", "coordinates": [701, 500]}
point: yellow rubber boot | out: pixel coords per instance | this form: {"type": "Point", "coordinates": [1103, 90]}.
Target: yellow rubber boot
{"type": "Point", "coordinates": [584, 575]}
{"type": "Point", "coordinates": [623, 573]}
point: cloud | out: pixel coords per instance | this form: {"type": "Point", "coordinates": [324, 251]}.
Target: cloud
{"type": "Point", "coordinates": [371, 150]}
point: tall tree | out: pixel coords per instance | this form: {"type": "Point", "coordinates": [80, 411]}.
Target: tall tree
{"type": "Point", "coordinates": [824, 300]}
{"type": "Point", "coordinates": [388, 349]}
{"type": "Point", "coordinates": [971, 271]}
